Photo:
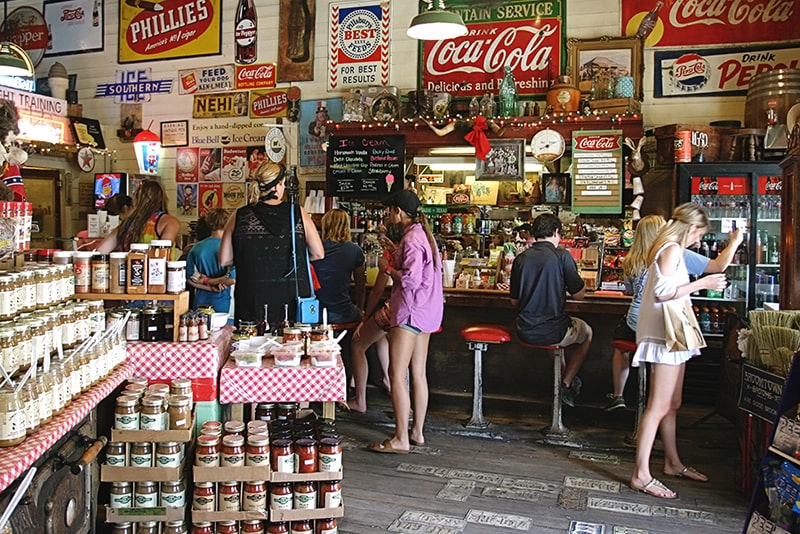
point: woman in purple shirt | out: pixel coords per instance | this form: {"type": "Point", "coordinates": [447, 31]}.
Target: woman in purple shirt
{"type": "Point", "coordinates": [417, 305]}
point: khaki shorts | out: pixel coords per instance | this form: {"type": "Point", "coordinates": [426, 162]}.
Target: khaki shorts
{"type": "Point", "coordinates": [578, 332]}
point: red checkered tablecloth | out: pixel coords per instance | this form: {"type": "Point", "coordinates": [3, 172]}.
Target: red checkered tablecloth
{"type": "Point", "coordinates": [281, 384]}
{"type": "Point", "coordinates": [16, 460]}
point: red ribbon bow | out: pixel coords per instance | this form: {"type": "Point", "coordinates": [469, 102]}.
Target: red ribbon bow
{"type": "Point", "coordinates": [478, 139]}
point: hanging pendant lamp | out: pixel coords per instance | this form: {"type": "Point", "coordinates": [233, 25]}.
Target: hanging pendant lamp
{"type": "Point", "coordinates": [436, 24]}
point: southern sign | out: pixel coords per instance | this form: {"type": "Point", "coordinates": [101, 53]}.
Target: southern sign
{"type": "Point", "coordinates": [526, 35]}
{"type": "Point", "coordinates": [168, 30]}
{"type": "Point", "coordinates": [359, 44]}
{"type": "Point", "coordinates": [259, 76]}
{"type": "Point", "coordinates": [270, 103]}
{"type": "Point", "coordinates": [725, 71]}
{"type": "Point", "coordinates": [220, 105]}
{"type": "Point", "coordinates": [212, 79]}
{"type": "Point", "coordinates": [597, 171]}
{"type": "Point", "coordinates": [133, 86]}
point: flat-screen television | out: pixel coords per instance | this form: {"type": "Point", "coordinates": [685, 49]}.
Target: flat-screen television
{"type": "Point", "coordinates": [106, 185]}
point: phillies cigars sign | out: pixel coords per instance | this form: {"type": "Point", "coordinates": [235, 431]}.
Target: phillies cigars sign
{"type": "Point", "coordinates": [256, 76]}
{"type": "Point", "coordinates": [525, 35]}
{"type": "Point", "coordinates": [695, 22]}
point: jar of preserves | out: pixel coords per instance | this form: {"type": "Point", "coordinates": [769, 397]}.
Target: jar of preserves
{"type": "Point", "coordinates": [152, 324]}
{"type": "Point", "coordinates": [142, 454]}
{"type": "Point", "coordinates": [207, 451]}
{"type": "Point", "coordinates": [62, 257]}
{"type": "Point", "coordinates": [30, 403]}
{"type": "Point", "coordinates": [292, 335]}
{"type": "Point", "coordinates": [227, 527]}
{"type": "Point", "coordinates": [12, 418]}
{"type": "Point", "coordinates": [126, 413]}
{"type": "Point", "coordinates": [181, 386]}
{"type": "Point", "coordinates": [8, 299]}
{"type": "Point", "coordinates": [44, 389]}
{"type": "Point", "coordinates": [82, 265]}
{"type": "Point", "coordinates": [229, 498]}
{"type": "Point", "coordinates": [330, 494]}
{"type": "Point", "coordinates": [327, 526]}
{"type": "Point", "coordinates": [305, 496]}
{"type": "Point", "coordinates": [233, 427]}
{"type": "Point", "coordinates": [121, 495]}
{"type": "Point", "coordinates": [137, 269]}
{"type": "Point", "coordinates": [282, 459]}
{"type": "Point", "coordinates": [101, 273]}
{"type": "Point", "coordinates": [252, 526]}
{"type": "Point", "coordinates": [278, 528]}
{"type": "Point", "coordinates": [115, 454]}
{"type": "Point", "coordinates": [27, 291]}
{"type": "Point", "coordinates": [153, 415]}
{"type": "Point", "coordinates": [175, 527]}
{"type": "Point", "coordinates": [265, 411]}
{"type": "Point", "coordinates": [257, 450]}
{"type": "Point", "coordinates": [36, 329]}
{"type": "Point", "coordinates": [176, 277]}
{"type": "Point", "coordinates": [134, 390]}
{"type": "Point", "coordinates": [232, 454]}
{"type": "Point", "coordinates": [173, 494]}
{"type": "Point", "coordinates": [133, 326]}
{"type": "Point", "coordinates": [212, 428]}
{"type": "Point", "coordinates": [147, 527]}
{"type": "Point", "coordinates": [97, 316]}
{"type": "Point", "coordinates": [81, 323]}
{"type": "Point", "coordinates": [257, 427]}
{"type": "Point", "coordinates": [168, 454]}
{"type": "Point", "coordinates": [118, 272]}
{"type": "Point", "coordinates": [126, 527]}
{"type": "Point", "coordinates": [202, 527]}
{"type": "Point", "coordinates": [7, 351]}
{"type": "Point", "coordinates": [204, 498]}
{"type": "Point", "coordinates": [287, 411]}
{"type": "Point", "coordinates": [157, 265]}
{"type": "Point", "coordinates": [145, 494]}
{"type": "Point", "coordinates": [254, 495]}
{"type": "Point", "coordinates": [180, 412]}
{"type": "Point", "coordinates": [281, 496]}
{"type": "Point", "coordinates": [305, 451]}
{"type": "Point", "coordinates": [168, 313]}
{"type": "Point", "coordinates": [301, 527]}
{"type": "Point", "coordinates": [67, 316]}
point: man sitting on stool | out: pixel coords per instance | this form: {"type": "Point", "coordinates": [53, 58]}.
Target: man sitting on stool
{"type": "Point", "coordinates": [541, 277]}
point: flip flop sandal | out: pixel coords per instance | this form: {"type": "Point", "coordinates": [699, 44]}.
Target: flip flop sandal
{"type": "Point", "coordinates": [687, 473]}
{"type": "Point", "coordinates": [657, 485]}
{"type": "Point", "coordinates": [386, 447]}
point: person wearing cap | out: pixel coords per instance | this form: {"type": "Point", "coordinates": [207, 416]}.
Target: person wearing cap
{"type": "Point", "coordinates": [541, 277]}
{"type": "Point", "coordinates": [257, 240]}
{"type": "Point", "coordinates": [417, 306]}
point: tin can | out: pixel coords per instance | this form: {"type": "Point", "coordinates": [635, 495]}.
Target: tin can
{"type": "Point", "coordinates": [683, 146]}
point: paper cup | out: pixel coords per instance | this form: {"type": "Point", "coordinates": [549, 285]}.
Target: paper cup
{"type": "Point", "coordinates": [638, 187]}
{"type": "Point", "coordinates": [637, 202]}
{"type": "Point", "coordinates": [448, 272]}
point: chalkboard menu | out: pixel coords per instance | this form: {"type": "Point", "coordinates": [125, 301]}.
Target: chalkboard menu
{"type": "Point", "coordinates": [365, 165]}
{"type": "Point", "coordinates": [597, 171]}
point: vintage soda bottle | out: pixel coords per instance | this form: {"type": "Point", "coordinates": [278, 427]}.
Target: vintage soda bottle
{"type": "Point", "coordinates": [298, 49]}
{"type": "Point", "coordinates": [508, 94]}
{"type": "Point", "coordinates": [245, 32]}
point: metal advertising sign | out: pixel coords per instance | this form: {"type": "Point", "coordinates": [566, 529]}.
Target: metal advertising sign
{"type": "Point", "coordinates": [597, 160]}
{"type": "Point", "coordinates": [133, 86]}
{"type": "Point", "coordinates": [359, 44]}
{"type": "Point", "coordinates": [258, 76]}
{"type": "Point", "coordinates": [224, 132]}
{"type": "Point", "coordinates": [26, 27]}
{"type": "Point", "coordinates": [265, 104]}
{"type": "Point", "coordinates": [220, 105]}
{"type": "Point", "coordinates": [527, 35]}
{"type": "Point", "coordinates": [204, 80]}
{"type": "Point", "coordinates": [718, 72]}
{"type": "Point", "coordinates": [689, 22]}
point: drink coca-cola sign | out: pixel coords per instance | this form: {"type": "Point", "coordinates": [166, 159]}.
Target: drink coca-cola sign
{"type": "Point", "coordinates": [256, 76]}
{"type": "Point", "coordinates": [526, 36]}
{"type": "Point", "coordinates": [699, 22]}
{"type": "Point", "coordinates": [597, 171]}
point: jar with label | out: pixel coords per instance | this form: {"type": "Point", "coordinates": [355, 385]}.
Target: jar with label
{"type": "Point", "coordinates": [180, 412]}
{"type": "Point", "coordinates": [257, 450]}
{"type": "Point", "coordinates": [24, 345]}
{"type": "Point", "coordinates": [282, 459]}
{"type": "Point", "coordinates": [67, 316]}
{"type": "Point", "coordinates": [330, 454]}
{"type": "Point", "coordinates": [168, 314]}
{"type": "Point", "coordinates": [181, 386]}
{"type": "Point", "coordinates": [133, 326]}
{"type": "Point", "coordinates": [147, 527]}
{"type": "Point", "coordinates": [126, 413]}
{"type": "Point", "coordinates": [12, 418]}
{"type": "Point", "coordinates": [327, 526]}
{"type": "Point", "coordinates": [207, 452]}
{"type": "Point", "coordinates": [145, 494]}
{"type": "Point", "coordinates": [152, 324]}
{"type": "Point", "coordinates": [281, 496]}
{"type": "Point", "coordinates": [168, 454]}
{"type": "Point", "coordinates": [229, 498]}
{"type": "Point", "coordinates": [137, 269]}
{"type": "Point", "coordinates": [126, 527]}
{"type": "Point", "coordinates": [301, 527]}
{"type": "Point", "coordinates": [115, 454]}
{"type": "Point", "coordinates": [118, 272]}
{"type": "Point", "coordinates": [330, 494]}
{"type": "Point", "coordinates": [175, 527]}
{"type": "Point", "coordinates": [292, 335]}
{"type": "Point", "coordinates": [305, 453]}
{"type": "Point", "coordinates": [173, 494]}
{"type": "Point", "coordinates": [257, 427]}
{"type": "Point", "coordinates": [81, 323]}
{"type": "Point", "coordinates": [59, 398]}
{"type": "Point", "coordinates": [233, 427]}
{"type": "Point", "coordinates": [227, 527]}
{"type": "Point", "coordinates": [36, 329]}
{"type": "Point", "coordinates": [82, 265]}
{"type": "Point", "coordinates": [7, 351]}
{"type": "Point", "coordinates": [121, 495]}
{"type": "Point", "coordinates": [176, 277]}
{"type": "Point", "coordinates": [142, 454]}
{"type": "Point", "coordinates": [305, 496]}
{"type": "Point", "coordinates": [287, 411]}
{"type": "Point", "coordinates": [157, 266]}
{"type": "Point", "coordinates": [101, 274]}
{"type": "Point", "coordinates": [30, 402]}
{"type": "Point", "coordinates": [44, 389]}
{"type": "Point", "coordinates": [254, 495]}
{"type": "Point", "coordinates": [278, 528]}
{"type": "Point", "coordinates": [252, 526]}
{"type": "Point", "coordinates": [232, 454]}
{"type": "Point", "coordinates": [8, 300]}
{"type": "Point", "coordinates": [152, 414]}
{"type": "Point", "coordinates": [97, 316]}
{"type": "Point", "coordinates": [202, 527]}
{"type": "Point", "coordinates": [28, 291]}
{"type": "Point", "coordinates": [43, 287]}
{"type": "Point", "coordinates": [204, 498]}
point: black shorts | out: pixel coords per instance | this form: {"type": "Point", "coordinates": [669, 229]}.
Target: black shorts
{"type": "Point", "coordinates": [623, 331]}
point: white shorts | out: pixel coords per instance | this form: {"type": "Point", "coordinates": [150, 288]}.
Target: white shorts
{"type": "Point", "coordinates": [578, 332]}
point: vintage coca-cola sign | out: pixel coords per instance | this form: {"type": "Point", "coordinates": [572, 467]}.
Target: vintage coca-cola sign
{"type": "Point", "coordinates": [597, 171]}
{"type": "Point", "coordinates": [698, 22]}
{"type": "Point", "coordinates": [597, 142]}
{"type": "Point", "coordinates": [525, 36]}
{"type": "Point", "coordinates": [258, 76]}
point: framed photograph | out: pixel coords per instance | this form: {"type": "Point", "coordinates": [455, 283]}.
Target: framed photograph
{"type": "Point", "coordinates": [556, 188]}
{"type": "Point", "coordinates": [505, 161]}
{"type": "Point", "coordinates": [75, 26]}
{"type": "Point", "coordinates": [601, 60]}
{"type": "Point", "coordinates": [174, 133]}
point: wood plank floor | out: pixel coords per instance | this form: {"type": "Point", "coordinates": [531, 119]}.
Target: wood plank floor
{"type": "Point", "coordinates": [508, 480]}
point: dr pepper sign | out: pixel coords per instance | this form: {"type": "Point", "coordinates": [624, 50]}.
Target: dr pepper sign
{"type": "Point", "coordinates": [597, 168]}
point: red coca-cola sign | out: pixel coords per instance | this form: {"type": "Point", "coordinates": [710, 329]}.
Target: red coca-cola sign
{"type": "Point", "coordinates": [269, 104]}
{"type": "Point", "coordinates": [256, 76]}
{"type": "Point", "coordinates": [177, 23]}
{"type": "Point", "coordinates": [696, 22]}
{"type": "Point", "coordinates": [770, 185]}
{"type": "Point", "coordinates": [473, 65]}
{"type": "Point", "coordinates": [597, 142]}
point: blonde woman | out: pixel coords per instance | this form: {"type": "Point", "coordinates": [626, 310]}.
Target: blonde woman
{"type": "Point", "coordinates": [257, 240]}
{"type": "Point", "coordinates": [667, 280]}
{"type": "Point", "coordinates": [343, 262]}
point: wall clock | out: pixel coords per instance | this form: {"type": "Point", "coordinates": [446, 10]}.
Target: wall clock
{"type": "Point", "coordinates": [547, 145]}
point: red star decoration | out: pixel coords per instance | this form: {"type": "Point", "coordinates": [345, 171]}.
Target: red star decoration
{"type": "Point", "coordinates": [87, 159]}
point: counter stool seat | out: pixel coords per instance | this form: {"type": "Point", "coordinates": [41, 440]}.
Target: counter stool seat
{"type": "Point", "coordinates": [478, 338]}
{"type": "Point", "coordinates": [630, 346]}
{"type": "Point", "coordinates": [624, 345]}
{"type": "Point", "coordinates": [556, 428]}
{"type": "Point", "coordinates": [338, 327]}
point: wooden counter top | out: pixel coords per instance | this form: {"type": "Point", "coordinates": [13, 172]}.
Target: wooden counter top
{"type": "Point", "coordinates": [492, 298]}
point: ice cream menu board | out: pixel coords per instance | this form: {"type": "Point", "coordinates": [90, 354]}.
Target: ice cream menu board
{"type": "Point", "coordinates": [597, 171]}
{"type": "Point", "coordinates": [365, 165]}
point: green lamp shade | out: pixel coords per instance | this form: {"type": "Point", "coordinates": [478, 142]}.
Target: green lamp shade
{"type": "Point", "coordinates": [11, 64]}
{"type": "Point", "coordinates": [436, 25]}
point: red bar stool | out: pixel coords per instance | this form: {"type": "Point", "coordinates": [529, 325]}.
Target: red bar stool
{"type": "Point", "coordinates": [478, 337]}
{"type": "Point", "coordinates": [630, 346]}
{"type": "Point", "coordinates": [338, 327]}
{"type": "Point", "coordinates": [556, 428]}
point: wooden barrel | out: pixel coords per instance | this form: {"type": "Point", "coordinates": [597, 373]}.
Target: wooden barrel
{"type": "Point", "coordinates": [778, 89]}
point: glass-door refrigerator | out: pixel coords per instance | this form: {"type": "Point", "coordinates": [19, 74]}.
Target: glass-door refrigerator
{"type": "Point", "coordinates": [741, 195]}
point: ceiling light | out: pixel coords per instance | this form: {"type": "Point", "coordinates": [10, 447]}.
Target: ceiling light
{"type": "Point", "coordinates": [14, 61]}
{"type": "Point", "coordinates": [436, 24]}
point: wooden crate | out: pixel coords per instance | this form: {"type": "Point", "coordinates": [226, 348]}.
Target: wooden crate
{"type": "Point", "coordinates": [719, 142]}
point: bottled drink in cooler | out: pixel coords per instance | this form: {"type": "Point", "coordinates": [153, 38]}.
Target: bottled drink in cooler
{"type": "Point", "coordinates": [245, 32]}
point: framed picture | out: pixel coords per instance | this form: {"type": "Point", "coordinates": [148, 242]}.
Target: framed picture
{"type": "Point", "coordinates": [505, 161]}
{"type": "Point", "coordinates": [175, 133]}
{"type": "Point", "coordinates": [601, 61]}
{"type": "Point", "coordinates": [556, 188]}
{"type": "Point", "coordinates": [71, 29]}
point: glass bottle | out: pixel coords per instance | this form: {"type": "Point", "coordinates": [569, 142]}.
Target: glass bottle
{"type": "Point", "coordinates": [298, 49]}
{"type": "Point", "coordinates": [487, 106]}
{"type": "Point", "coordinates": [508, 94]}
{"type": "Point", "coordinates": [474, 107]}
{"type": "Point", "coordinates": [245, 32]}
{"type": "Point", "coordinates": [285, 323]}
{"type": "Point", "coordinates": [263, 327]}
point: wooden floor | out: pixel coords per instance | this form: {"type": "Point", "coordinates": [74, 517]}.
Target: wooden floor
{"type": "Point", "coordinates": [508, 480]}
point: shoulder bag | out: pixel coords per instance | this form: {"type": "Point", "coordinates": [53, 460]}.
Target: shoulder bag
{"type": "Point", "coordinates": [307, 307]}
{"type": "Point", "coordinates": [681, 327]}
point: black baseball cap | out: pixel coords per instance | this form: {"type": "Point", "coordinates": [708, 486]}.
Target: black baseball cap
{"type": "Point", "coordinates": [406, 200]}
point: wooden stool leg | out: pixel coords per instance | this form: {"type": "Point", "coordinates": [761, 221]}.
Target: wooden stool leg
{"type": "Point", "coordinates": [477, 420]}
{"type": "Point", "coordinates": [557, 427]}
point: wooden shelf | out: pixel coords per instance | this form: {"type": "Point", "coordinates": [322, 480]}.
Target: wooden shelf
{"type": "Point", "coordinates": [180, 303]}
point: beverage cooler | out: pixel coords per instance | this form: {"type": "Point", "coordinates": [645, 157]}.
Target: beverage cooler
{"type": "Point", "coordinates": [737, 195]}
